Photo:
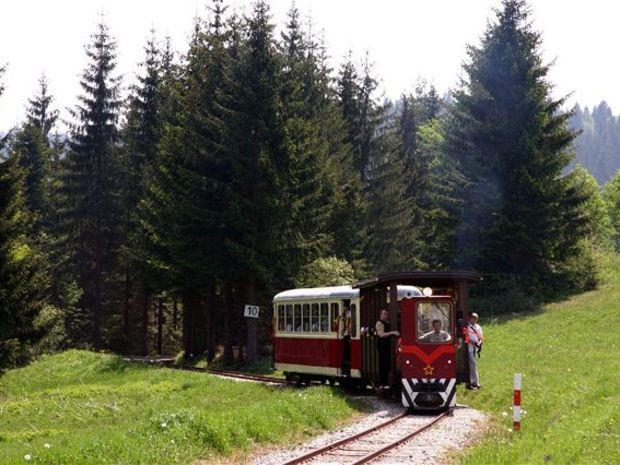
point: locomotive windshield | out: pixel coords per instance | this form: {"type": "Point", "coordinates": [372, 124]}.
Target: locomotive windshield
{"type": "Point", "coordinates": [434, 322]}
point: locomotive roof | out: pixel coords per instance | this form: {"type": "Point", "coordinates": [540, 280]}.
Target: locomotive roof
{"type": "Point", "coordinates": [422, 278]}
{"type": "Point", "coordinates": [337, 293]}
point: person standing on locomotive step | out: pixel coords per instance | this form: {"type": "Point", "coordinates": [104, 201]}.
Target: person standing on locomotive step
{"type": "Point", "coordinates": [384, 345]}
{"type": "Point", "coordinates": [474, 338]}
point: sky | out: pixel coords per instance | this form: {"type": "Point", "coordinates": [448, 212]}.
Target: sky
{"type": "Point", "coordinates": [407, 40]}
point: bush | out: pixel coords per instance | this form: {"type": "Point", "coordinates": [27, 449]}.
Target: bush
{"type": "Point", "coordinates": [329, 271]}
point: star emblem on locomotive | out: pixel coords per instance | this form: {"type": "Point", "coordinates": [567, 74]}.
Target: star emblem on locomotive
{"type": "Point", "coordinates": [428, 369]}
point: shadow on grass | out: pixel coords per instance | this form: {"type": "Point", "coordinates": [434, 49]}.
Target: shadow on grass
{"type": "Point", "coordinates": [117, 364]}
{"type": "Point", "coordinates": [262, 367]}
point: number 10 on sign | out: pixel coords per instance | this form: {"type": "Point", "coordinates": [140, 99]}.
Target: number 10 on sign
{"type": "Point", "coordinates": [251, 311]}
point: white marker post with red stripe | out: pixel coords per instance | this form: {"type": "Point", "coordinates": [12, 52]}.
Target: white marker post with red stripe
{"type": "Point", "coordinates": [516, 403]}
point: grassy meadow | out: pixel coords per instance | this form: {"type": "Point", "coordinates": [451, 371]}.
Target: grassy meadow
{"type": "Point", "coordinates": [568, 354]}
{"type": "Point", "coordinates": [79, 407]}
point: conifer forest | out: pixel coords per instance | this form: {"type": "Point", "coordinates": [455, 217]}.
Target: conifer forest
{"type": "Point", "coordinates": [246, 164]}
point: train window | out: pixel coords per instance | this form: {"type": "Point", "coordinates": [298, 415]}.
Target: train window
{"type": "Point", "coordinates": [297, 320]}
{"type": "Point", "coordinates": [433, 322]}
{"type": "Point", "coordinates": [289, 318]}
{"type": "Point", "coordinates": [314, 318]}
{"type": "Point", "coordinates": [324, 318]}
{"type": "Point", "coordinates": [306, 317]}
{"type": "Point", "coordinates": [335, 311]}
{"type": "Point", "coordinates": [281, 318]}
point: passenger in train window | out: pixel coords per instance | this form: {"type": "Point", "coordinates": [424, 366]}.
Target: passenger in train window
{"type": "Point", "coordinates": [343, 323]}
{"type": "Point", "coordinates": [437, 334]}
{"type": "Point", "coordinates": [384, 346]}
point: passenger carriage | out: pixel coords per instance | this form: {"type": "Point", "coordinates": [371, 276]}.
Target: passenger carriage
{"type": "Point", "coordinates": [307, 343]}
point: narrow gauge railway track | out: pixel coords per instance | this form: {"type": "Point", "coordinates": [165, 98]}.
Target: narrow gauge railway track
{"type": "Point", "coordinates": [249, 376]}
{"type": "Point", "coordinates": [368, 445]}
{"type": "Point", "coordinates": [168, 363]}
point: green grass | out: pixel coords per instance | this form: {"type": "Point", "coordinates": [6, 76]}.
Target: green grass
{"type": "Point", "coordinates": [568, 354]}
{"type": "Point", "coordinates": [95, 408]}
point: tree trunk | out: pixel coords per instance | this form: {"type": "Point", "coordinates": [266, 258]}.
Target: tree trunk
{"type": "Point", "coordinates": [97, 307]}
{"type": "Point", "coordinates": [187, 334]}
{"type": "Point", "coordinates": [160, 325]}
{"type": "Point", "coordinates": [175, 312]}
{"type": "Point", "coordinates": [126, 338]}
{"type": "Point", "coordinates": [228, 343]}
{"type": "Point", "coordinates": [144, 336]}
{"type": "Point", "coordinates": [194, 324]}
{"type": "Point", "coordinates": [210, 322]}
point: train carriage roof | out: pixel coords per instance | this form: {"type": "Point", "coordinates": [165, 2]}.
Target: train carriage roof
{"type": "Point", "coordinates": [336, 293]}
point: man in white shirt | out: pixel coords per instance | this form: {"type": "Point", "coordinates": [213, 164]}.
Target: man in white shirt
{"type": "Point", "coordinates": [474, 341]}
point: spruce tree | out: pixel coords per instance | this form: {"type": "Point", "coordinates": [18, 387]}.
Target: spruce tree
{"type": "Point", "coordinates": [257, 164]}
{"type": "Point", "coordinates": [189, 181]}
{"type": "Point", "coordinates": [520, 218]}
{"type": "Point", "coordinates": [90, 185]}
{"type": "Point", "coordinates": [431, 179]}
{"type": "Point", "coordinates": [141, 137]}
{"type": "Point", "coordinates": [389, 211]}
{"type": "Point", "coordinates": [612, 202]}
{"type": "Point", "coordinates": [33, 156]}
{"type": "Point", "coordinates": [348, 225]}
{"type": "Point", "coordinates": [258, 167]}
{"type": "Point", "coordinates": [39, 112]}
{"type": "Point", "coordinates": [22, 281]}
{"type": "Point", "coordinates": [308, 181]}
{"type": "Point", "coordinates": [350, 98]}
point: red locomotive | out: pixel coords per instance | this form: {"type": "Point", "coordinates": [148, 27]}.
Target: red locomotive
{"type": "Point", "coordinates": [328, 334]}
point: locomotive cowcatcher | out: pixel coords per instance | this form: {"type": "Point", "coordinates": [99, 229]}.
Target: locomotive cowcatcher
{"type": "Point", "coordinates": [427, 308]}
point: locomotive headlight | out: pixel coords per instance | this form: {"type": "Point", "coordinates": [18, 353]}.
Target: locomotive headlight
{"type": "Point", "coordinates": [407, 362]}
{"type": "Point", "coordinates": [427, 291]}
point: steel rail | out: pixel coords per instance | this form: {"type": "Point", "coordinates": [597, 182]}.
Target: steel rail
{"type": "Point", "coordinates": [344, 441]}
{"type": "Point", "coordinates": [395, 444]}
{"type": "Point", "coordinates": [243, 375]}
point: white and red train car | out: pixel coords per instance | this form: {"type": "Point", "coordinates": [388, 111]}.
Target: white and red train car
{"type": "Point", "coordinates": [307, 343]}
{"type": "Point", "coordinates": [427, 361]}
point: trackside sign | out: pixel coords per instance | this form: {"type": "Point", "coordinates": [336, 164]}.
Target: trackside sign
{"type": "Point", "coordinates": [251, 311]}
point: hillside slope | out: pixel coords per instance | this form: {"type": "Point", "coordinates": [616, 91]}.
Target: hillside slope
{"type": "Point", "coordinates": [570, 361]}
{"type": "Point", "coordinates": [79, 407]}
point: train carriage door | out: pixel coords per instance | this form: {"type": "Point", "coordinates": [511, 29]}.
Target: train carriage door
{"type": "Point", "coordinates": [344, 328]}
